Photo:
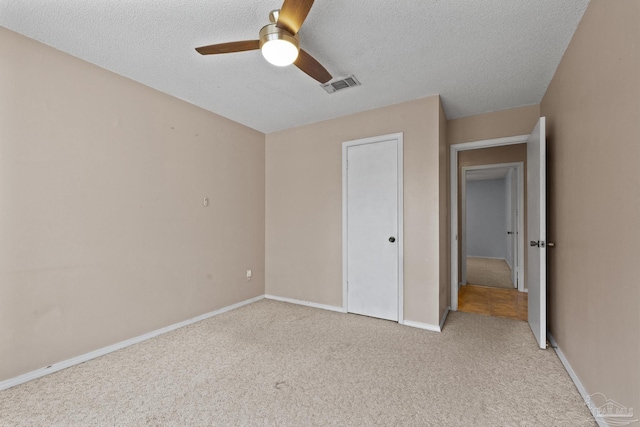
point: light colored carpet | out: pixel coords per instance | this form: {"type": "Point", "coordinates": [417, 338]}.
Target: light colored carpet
{"type": "Point", "coordinates": [272, 363]}
{"type": "Point", "coordinates": [489, 272]}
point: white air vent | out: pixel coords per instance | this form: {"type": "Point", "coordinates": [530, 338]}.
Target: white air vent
{"type": "Point", "coordinates": [337, 85]}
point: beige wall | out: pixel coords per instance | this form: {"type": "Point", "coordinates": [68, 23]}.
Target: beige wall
{"type": "Point", "coordinates": [593, 113]}
{"type": "Point", "coordinates": [103, 233]}
{"type": "Point", "coordinates": [487, 156]}
{"type": "Point", "coordinates": [304, 205]}
{"type": "Point", "coordinates": [499, 124]}
{"type": "Point", "coordinates": [444, 217]}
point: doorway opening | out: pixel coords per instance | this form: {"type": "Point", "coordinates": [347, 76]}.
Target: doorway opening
{"type": "Point", "coordinates": [492, 248]}
{"type": "Point", "coordinates": [535, 223]}
{"type": "Point", "coordinates": [492, 224]}
{"type": "Point", "coordinates": [504, 244]}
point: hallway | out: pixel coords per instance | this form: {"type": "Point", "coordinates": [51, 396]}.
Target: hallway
{"type": "Point", "coordinates": [496, 302]}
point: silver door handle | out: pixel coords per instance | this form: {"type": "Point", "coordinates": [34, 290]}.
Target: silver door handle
{"type": "Point", "coordinates": [541, 244]}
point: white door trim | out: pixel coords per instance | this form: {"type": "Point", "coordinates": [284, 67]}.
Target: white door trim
{"type": "Point", "coordinates": [399, 138]}
{"type": "Point", "coordinates": [453, 169]}
{"type": "Point", "coordinates": [519, 166]}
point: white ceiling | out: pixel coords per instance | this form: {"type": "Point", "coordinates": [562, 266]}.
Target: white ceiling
{"type": "Point", "coordinates": [479, 55]}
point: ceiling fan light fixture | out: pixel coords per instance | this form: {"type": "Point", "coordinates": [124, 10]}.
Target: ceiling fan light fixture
{"type": "Point", "coordinates": [279, 42]}
{"type": "Point", "coordinates": [278, 46]}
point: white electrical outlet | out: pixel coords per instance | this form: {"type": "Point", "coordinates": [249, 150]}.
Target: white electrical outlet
{"type": "Point", "coordinates": [205, 202]}
{"type": "Point", "coordinates": [249, 274]}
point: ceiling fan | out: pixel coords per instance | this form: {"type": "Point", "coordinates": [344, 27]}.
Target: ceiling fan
{"type": "Point", "coordinates": [279, 41]}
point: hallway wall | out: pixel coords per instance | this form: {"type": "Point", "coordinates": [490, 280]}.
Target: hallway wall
{"type": "Point", "coordinates": [593, 117]}
{"type": "Point", "coordinates": [486, 218]}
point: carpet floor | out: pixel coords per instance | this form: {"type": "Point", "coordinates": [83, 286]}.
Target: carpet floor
{"type": "Point", "coordinates": [277, 364]}
{"type": "Point", "coordinates": [489, 272]}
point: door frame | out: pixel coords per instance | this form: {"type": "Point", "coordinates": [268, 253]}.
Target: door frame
{"type": "Point", "coordinates": [453, 191]}
{"type": "Point", "coordinates": [372, 140]}
{"type": "Point", "coordinates": [519, 167]}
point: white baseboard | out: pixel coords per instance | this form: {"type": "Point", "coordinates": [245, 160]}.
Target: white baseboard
{"type": "Point", "coordinates": [444, 317]}
{"type": "Point", "coordinates": [426, 326]}
{"type": "Point", "coordinates": [574, 378]}
{"type": "Point", "coordinates": [429, 327]}
{"type": "Point", "coordinates": [114, 347]}
{"type": "Point", "coordinates": [20, 379]}
{"type": "Point", "coordinates": [307, 303]}
{"type": "Point", "coordinates": [487, 257]}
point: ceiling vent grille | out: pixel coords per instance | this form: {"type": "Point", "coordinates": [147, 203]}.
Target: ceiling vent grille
{"type": "Point", "coordinates": [341, 84]}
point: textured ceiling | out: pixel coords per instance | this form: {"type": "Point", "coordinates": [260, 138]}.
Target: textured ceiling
{"type": "Point", "coordinates": [479, 55]}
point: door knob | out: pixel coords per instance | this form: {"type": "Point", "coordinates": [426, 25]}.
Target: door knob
{"type": "Point", "coordinates": [392, 239]}
{"type": "Point", "coordinates": [542, 244]}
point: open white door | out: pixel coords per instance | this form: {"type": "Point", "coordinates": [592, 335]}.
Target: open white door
{"type": "Point", "coordinates": [537, 232]}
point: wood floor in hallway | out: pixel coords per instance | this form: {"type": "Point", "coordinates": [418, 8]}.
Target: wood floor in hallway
{"type": "Point", "coordinates": [507, 303]}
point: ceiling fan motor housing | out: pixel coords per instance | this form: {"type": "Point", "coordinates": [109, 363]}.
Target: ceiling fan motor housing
{"type": "Point", "coordinates": [271, 32]}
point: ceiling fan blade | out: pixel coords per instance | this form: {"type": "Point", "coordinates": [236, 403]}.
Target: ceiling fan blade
{"type": "Point", "coordinates": [293, 14]}
{"type": "Point", "coordinates": [229, 47]}
{"type": "Point", "coordinates": [312, 67]}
